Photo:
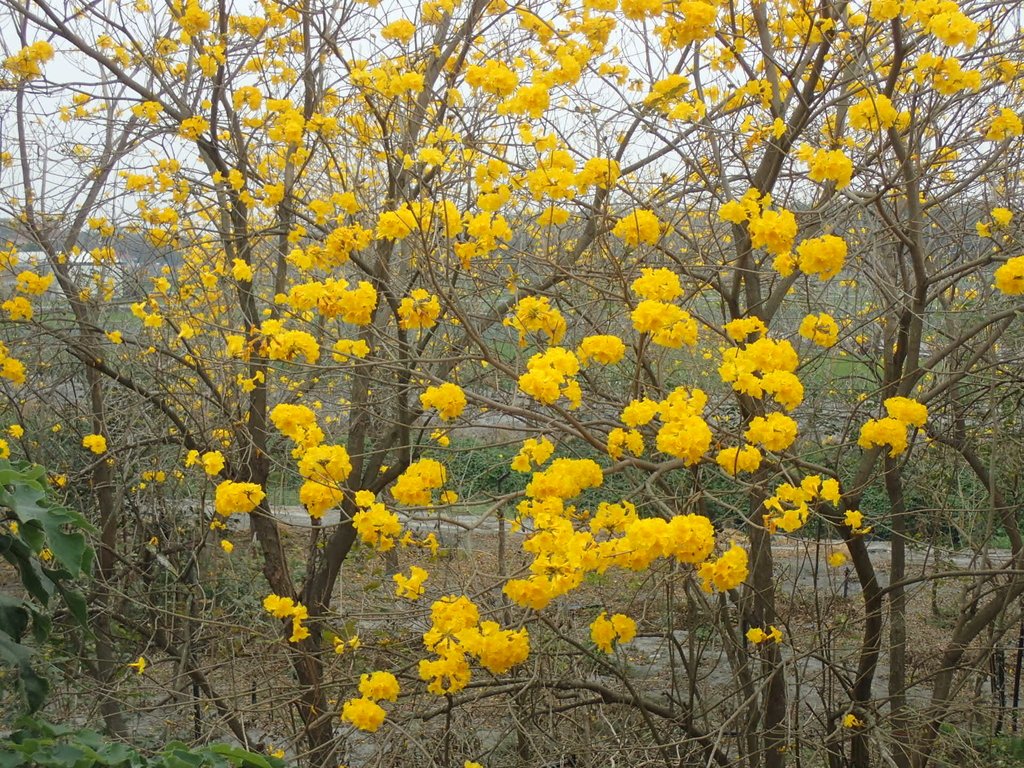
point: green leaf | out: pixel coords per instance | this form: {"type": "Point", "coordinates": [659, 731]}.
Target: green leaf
{"type": "Point", "coordinates": [33, 579]}
{"type": "Point", "coordinates": [66, 755]}
{"type": "Point", "coordinates": [76, 604]}
{"type": "Point", "coordinates": [14, 617]}
{"type": "Point", "coordinates": [13, 653]}
{"type": "Point", "coordinates": [33, 686]}
{"type": "Point", "coordinates": [244, 757]}
{"type": "Point", "coordinates": [181, 758]}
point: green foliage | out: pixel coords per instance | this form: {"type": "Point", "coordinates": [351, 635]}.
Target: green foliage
{"type": "Point", "coordinates": [43, 745]}
{"type": "Point", "coordinates": [45, 543]}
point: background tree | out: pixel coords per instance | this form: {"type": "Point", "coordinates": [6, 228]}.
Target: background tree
{"type": "Point", "coordinates": [684, 261]}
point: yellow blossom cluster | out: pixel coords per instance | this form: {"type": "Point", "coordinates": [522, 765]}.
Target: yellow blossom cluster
{"type": "Point", "coordinates": [685, 22]}
{"type": "Point", "coordinates": [1005, 124]}
{"type": "Point", "coordinates": [1009, 276]}
{"type": "Point", "coordinates": [31, 284]}
{"type": "Point", "coordinates": [237, 498]}
{"type": "Point", "coordinates": [684, 433]}
{"type": "Point", "coordinates": [422, 218]}
{"type": "Point", "coordinates": [212, 462]}
{"type": "Point", "coordinates": [420, 309]}
{"type": "Point", "coordinates": [493, 77]}
{"type": "Point", "coordinates": [607, 632]}
{"type": "Point", "coordinates": [616, 537]}
{"type": "Point", "coordinates": [742, 328]}
{"type": "Point", "coordinates": [344, 349]}
{"type": "Point", "coordinates": [621, 441]}
{"type": "Point", "coordinates": [638, 226]}
{"type": "Point", "coordinates": [414, 487]}
{"type": "Point", "coordinates": [669, 324]}
{"type": "Point", "coordinates": [820, 256]}
{"type": "Point", "coordinates": [324, 468]}
{"type": "Point", "coordinates": [738, 459]}
{"type": "Point", "coordinates": [534, 452]}
{"type": "Point", "coordinates": [726, 572]}
{"type": "Point", "coordinates": [27, 63]}
{"type": "Point", "coordinates": [904, 412]}
{"type": "Point", "coordinates": [447, 399]}
{"type": "Point", "coordinates": [604, 349]}
{"type": "Point", "coordinates": [376, 525]}
{"type": "Point", "coordinates": [565, 478]}
{"type": "Point", "coordinates": [95, 443]}
{"type": "Point", "coordinates": [827, 165]}
{"type": "Point", "coordinates": [333, 298]}
{"type": "Point", "coordinates": [821, 329]}
{"type": "Point", "coordinates": [280, 343]}
{"type": "Point", "coordinates": [757, 636]}
{"type": "Point", "coordinates": [287, 608]}
{"type": "Point", "coordinates": [788, 508]}
{"type": "Point", "coordinates": [17, 308]}
{"type": "Point", "coordinates": [534, 314]}
{"type": "Point", "coordinates": [456, 634]}
{"type": "Point", "coordinates": [411, 586]}
{"type": "Point", "coordinates": [764, 366]}
{"type": "Point", "coordinates": [657, 284]}
{"type": "Point", "coordinates": [854, 520]}
{"type": "Point", "coordinates": [874, 112]}
{"type": "Point", "coordinates": [297, 422]}
{"type": "Point", "coordinates": [774, 432]}
{"type": "Point", "coordinates": [550, 375]}
{"type": "Point", "coordinates": [365, 712]}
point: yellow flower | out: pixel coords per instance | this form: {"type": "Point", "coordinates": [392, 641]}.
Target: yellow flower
{"type": "Point", "coordinates": [607, 632]}
{"type": "Point", "coordinates": [379, 686]}
{"type": "Point", "coordinates": [638, 226]}
{"type": "Point", "coordinates": [757, 635]}
{"type": "Point", "coordinates": [827, 165]}
{"type": "Point", "coordinates": [232, 498]}
{"type": "Point", "coordinates": [879, 432]}
{"type": "Point", "coordinates": [739, 459]}
{"type": "Point", "coordinates": [1004, 125]}
{"type": "Point", "coordinates": [776, 431]}
{"type": "Point", "coordinates": [139, 665]}
{"type": "Point", "coordinates": [1002, 216]}
{"type": "Point", "coordinates": [95, 443]}
{"type": "Point", "coordinates": [213, 462]}
{"type": "Point", "coordinates": [657, 284]}
{"type": "Point", "coordinates": [725, 573]}
{"type": "Point", "coordinates": [534, 453]}
{"type": "Point", "coordinates": [774, 231]}
{"type": "Point", "coordinates": [850, 720]}
{"type": "Point", "coordinates": [193, 127]}
{"type": "Point", "coordinates": [227, 546]}
{"type": "Point", "coordinates": [1009, 277]}
{"type": "Point", "coordinates": [822, 256]}
{"type": "Point", "coordinates": [411, 586]}
{"type": "Point", "coordinates": [907, 410]}
{"type": "Point", "coordinates": [821, 329]}
{"type": "Point", "coordinates": [419, 309]}
{"type": "Point", "coordinates": [447, 399]}
{"type": "Point", "coordinates": [604, 349]}
{"type": "Point", "coordinates": [364, 714]}
{"type": "Point", "coordinates": [401, 30]}
{"type": "Point", "coordinates": [837, 559]}
{"type": "Point", "coordinates": [854, 519]}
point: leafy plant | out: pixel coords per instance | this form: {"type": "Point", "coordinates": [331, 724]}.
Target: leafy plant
{"type": "Point", "coordinates": [46, 545]}
{"type": "Point", "coordinates": [44, 745]}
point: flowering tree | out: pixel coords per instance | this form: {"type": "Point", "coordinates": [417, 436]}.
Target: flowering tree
{"type": "Point", "coordinates": [738, 257]}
